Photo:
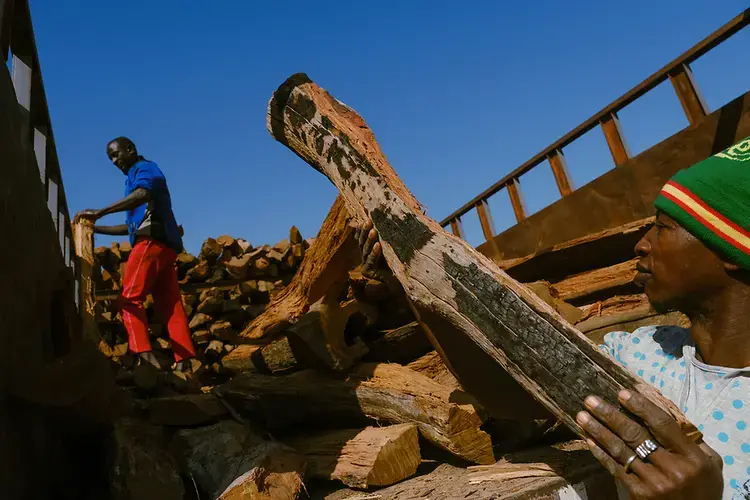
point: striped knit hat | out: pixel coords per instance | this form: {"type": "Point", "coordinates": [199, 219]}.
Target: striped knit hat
{"type": "Point", "coordinates": [711, 200]}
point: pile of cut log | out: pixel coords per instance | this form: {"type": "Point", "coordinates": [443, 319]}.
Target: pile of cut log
{"type": "Point", "coordinates": [330, 362]}
{"type": "Point", "coordinates": [223, 289]}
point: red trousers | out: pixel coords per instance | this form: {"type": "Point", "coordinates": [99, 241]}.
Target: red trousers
{"type": "Point", "coordinates": [151, 270]}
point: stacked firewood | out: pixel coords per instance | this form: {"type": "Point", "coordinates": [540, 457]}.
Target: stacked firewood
{"type": "Point", "coordinates": [330, 362]}
{"type": "Point", "coordinates": [223, 289]}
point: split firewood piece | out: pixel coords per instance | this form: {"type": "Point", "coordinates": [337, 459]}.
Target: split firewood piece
{"type": "Point", "coordinates": [385, 392]}
{"type": "Point", "coordinates": [295, 237]}
{"type": "Point", "coordinates": [211, 250]}
{"type": "Point", "coordinates": [320, 334]}
{"type": "Point", "coordinates": [199, 320]}
{"type": "Point", "coordinates": [223, 330]}
{"type": "Point", "coordinates": [484, 324]}
{"type": "Point", "coordinates": [325, 266]}
{"type": "Point", "coordinates": [238, 267]}
{"type": "Point", "coordinates": [432, 366]}
{"type": "Point", "coordinates": [276, 357]}
{"type": "Point", "coordinates": [200, 272]}
{"type": "Point", "coordinates": [244, 245]}
{"type": "Point", "coordinates": [400, 345]}
{"type": "Point", "coordinates": [362, 458]}
{"type": "Point", "coordinates": [229, 460]}
{"type": "Point", "coordinates": [226, 241]}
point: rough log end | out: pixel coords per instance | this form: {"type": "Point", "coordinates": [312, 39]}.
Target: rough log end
{"type": "Point", "coordinates": [275, 121]}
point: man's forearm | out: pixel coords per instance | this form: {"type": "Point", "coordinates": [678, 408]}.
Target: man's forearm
{"type": "Point", "coordinates": [120, 230]}
{"type": "Point", "coordinates": [134, 199]}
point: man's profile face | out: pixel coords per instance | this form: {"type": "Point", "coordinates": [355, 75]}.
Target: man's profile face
{"type": "Point", "coordinates": [123, 156]}
{"type": "Point", "coordinates": [676, 270]}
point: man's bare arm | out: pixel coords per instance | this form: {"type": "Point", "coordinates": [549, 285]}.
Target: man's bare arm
{"type": "Point", "coordinates": [134, 199]}
{"type": "Point", "coordinates": [119, 230]}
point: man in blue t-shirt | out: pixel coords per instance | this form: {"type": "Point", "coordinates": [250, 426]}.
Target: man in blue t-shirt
{"type": "Point", "coordinates": [156, 240]}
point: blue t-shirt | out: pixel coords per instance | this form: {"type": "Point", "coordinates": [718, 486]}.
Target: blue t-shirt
{"type": "Point", "coordinates": [155, 218]}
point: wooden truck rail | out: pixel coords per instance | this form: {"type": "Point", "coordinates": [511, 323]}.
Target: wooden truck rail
{"type": "Point", "coordinates": [677, 72]}
{"type": "Point", "coordinates": [18, 47]}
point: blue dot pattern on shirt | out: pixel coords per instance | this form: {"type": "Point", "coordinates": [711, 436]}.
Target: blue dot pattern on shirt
{"type": "Point", "coordinates": [713, 398]}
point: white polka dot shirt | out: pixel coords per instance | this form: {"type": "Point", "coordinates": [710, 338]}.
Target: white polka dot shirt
{"type": "Point", "coordinates": [714, 398]}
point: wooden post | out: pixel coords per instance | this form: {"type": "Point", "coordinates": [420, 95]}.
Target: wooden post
{"type": "Point", "coordinates": [485, 219]}
{"type": "Point", "coordinates": [516, 199]}
{"type": "Point", "coordinates": [457, 228]}
{"type": "Point", "coordinates": [560, 170]}
{"type": "Point", "coordinates": [692, 101]}
{"type": "Point", "coordinates": [83, 237]}
{"type": "Point", "coordinates": [615, 140]}
{"type": "Point", "coordinates": [491, 330]}
{"type": "Point", "coordinates": [488, 227]}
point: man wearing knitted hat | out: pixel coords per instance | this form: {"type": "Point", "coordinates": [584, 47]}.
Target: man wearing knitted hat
{"type": "Point", "coordinates": [696, 260]}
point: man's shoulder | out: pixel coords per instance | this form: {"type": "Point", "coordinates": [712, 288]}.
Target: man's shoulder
{"type": "Point", "coordinates": [147, 168]}
{"type": "Point", "coordinates": [664, 341]}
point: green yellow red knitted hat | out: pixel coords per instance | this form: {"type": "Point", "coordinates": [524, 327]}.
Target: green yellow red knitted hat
{"type": "Point", "coordinates": [711, 199]}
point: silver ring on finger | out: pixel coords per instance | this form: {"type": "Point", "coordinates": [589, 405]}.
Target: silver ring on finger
{"type": "Point", "coordinates": [645, 449]}
{"type": "Point", "coordinates": [630, 462]}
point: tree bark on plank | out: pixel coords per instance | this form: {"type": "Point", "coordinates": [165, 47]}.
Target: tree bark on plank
{"type": "Point", "coordinates": [325, 266]}
{"type": "Point", "coordinates": [478, 316]}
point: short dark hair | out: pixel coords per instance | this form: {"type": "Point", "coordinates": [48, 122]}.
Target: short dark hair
{"type": "Point", "coordinates": [122, 141]}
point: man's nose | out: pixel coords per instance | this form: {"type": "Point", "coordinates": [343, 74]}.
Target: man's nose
{"type": "Point", "coordinates": [643, 247]}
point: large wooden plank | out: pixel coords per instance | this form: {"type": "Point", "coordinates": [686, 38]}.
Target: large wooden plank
{"type": "Point", "coordinates": [83, 237]}
{"type": "Point", "coordinates": [598, 280]}
{"type": "Point", "coordinates": [593, 251]}
{"type": "Point", "coordinates": [476, 314]}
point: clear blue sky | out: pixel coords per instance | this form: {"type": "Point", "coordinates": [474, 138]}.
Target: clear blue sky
{"type": "Point", "coordinates": [457, 93]}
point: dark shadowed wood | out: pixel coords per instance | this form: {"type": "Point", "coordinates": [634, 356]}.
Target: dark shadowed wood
{"type": "Point", "coordinates": [560, 170]}
{"type": "Point", "coordinates": [476, 314]}
{"type": "Point", "coordinates": [692, 101]}
{"type": "Point", "coordinates": [615, 140]}
{"type": "Point", "coordinates": [516, 199]}
{"type": "Point", "coordinates": [457, 228]}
